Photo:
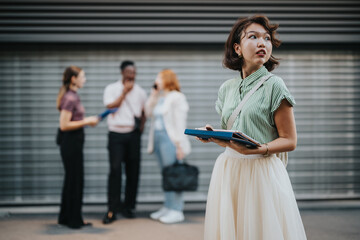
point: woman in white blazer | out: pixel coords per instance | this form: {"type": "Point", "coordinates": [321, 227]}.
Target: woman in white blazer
{"type": "Point", "coordinates": [168, 108]}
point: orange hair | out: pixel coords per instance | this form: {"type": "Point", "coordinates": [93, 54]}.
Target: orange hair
{"type": "Point", "coordinates": [169, 80]}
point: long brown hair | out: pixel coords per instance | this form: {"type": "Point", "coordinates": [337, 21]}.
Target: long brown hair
{"type": "Point", "coordinates": [231, 59]}
{"type": "Point", "coordinates": [66, 81]}
{"type": "Point", "coordinates": [169, 80]}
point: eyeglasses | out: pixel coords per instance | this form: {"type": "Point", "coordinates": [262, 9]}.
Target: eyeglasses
{"type": "Point", "coordinates": [257, 35]}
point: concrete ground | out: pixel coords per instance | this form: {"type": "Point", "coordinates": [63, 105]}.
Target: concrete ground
{"type": "Point", "coordinates": [328, 220]}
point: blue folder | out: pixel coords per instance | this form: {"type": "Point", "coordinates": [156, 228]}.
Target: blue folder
{"type": "Point", "coordinates": [224, 135]}
{"type": "Point", "coordinates": [107, 112]}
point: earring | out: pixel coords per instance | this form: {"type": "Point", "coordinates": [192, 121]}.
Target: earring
{"type": "Point", "coordinates": [240, 56]}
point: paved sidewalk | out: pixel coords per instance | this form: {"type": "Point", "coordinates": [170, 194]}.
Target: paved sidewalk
{"type": "Point", "coordinates": [40, 223]}
{"type": "Point", "coordinates": [338, 220]}
{"type": "Point", "coordinates": [40, 227]}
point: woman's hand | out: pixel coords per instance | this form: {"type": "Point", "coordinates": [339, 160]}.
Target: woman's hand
{"type": "Point", "coordinates": [151, 102]}
{"type": "Point", "coordinates": [67, 125]}
{"type": "Point", "coordinates": [179, 153]}
{"type": "Point", "coordinates": [221, 143]}
{"type": "Point", "coordinates": [203, 140]}
{"type": "Point", "coordinates": [207, 127]}
{"type": "Point", "coordinates": [232, 144]}
{"type": "Point", "coordinates": [154, 92]}
{"type": "Point", "coordinates": [236, 146]}
{"type": "Point", "coordinates": [245, 150]}
{"type": "Point", "coordinates": [239, 147]}
{"type": "Point", "coordinates": [92, 121]}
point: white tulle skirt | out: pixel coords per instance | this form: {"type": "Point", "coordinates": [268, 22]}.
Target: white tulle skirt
{"type": "Point", "coordinates": [250, 198]}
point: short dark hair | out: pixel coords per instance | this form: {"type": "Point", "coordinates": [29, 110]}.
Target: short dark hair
{"type": "Point", "coordinates": [126, 63]}
{"type": "Point", "coordinates": [231, 59]}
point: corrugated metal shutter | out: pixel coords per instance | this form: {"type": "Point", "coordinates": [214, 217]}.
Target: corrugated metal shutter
{"type": "Point", "coordinates": [172, 21]}
{"type": "Point", "coordinates": [325, 84]}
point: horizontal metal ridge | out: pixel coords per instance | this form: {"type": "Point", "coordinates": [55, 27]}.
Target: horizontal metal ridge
{"type": "Point", "coordinates": [173, 21]}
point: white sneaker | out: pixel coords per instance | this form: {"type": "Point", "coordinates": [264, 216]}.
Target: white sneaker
{"type": "Point", "coordinates": [172, 216]}
{"type": "Point", "coordinates": [159, 213]}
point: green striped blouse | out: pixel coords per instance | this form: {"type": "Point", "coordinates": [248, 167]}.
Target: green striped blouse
{"type": "Point", "coordinates": [256, 118]}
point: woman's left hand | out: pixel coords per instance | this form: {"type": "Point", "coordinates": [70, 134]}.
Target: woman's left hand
{"type": "Point", "coordinates": [237, 146]}
{"type": "Point", "coordinates": [242, 148]}
{"type": "Point", "coordinates": [232, 144]}
{"type": "Point", "coordinates": [221, 143]}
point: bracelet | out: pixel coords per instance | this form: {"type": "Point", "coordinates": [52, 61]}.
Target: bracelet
{"type": "Point", "coordinates": [267, 150]}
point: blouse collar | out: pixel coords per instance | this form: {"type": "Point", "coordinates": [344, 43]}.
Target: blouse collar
{"type": "Point", "coordinates": [70, 90]}
{"type": "Point", "coordinates": [252, 78]}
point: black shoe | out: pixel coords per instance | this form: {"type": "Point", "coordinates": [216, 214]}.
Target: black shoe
{"type": "Point", "coordinates": [109, 218]}
{"type": "Point", "coordinates": [128, 213]}
{"type": "Point", "coordinates": [87, 224]}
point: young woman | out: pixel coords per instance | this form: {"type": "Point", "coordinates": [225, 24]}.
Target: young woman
{"type": "Point", "coordinates": [168, 108]}
{"type": "Point", "coordinates": [250, 195]}
{"type": "Point", "coordinates": [71, 141]}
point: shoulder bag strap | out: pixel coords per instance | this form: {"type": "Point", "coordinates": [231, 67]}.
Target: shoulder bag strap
{"type": "Point", "coordinates": [236, 112]}
{"type": "Point", "coordinates": [129, 105]}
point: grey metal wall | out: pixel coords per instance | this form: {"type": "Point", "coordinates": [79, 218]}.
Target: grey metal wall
{"type": "Point", "coordinates": [97, 35]}
{"type": "Point", "coordinates": [325, 84]}
{"type": "Point", "coordinates": [301, 21]}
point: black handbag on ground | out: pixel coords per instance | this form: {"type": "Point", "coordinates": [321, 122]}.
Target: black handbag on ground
{"type": "Point", "coordinates": [180, 177]}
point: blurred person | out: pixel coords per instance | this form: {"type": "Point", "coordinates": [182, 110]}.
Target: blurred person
{"type": "Point", "coordinates": [125, 128]}
{"type": "Point", "coordinates": [71, 140]}
{"type": "Point", "coordinates": [250, 194]}
{"type": "Point", "coordinates": [168, 108]}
